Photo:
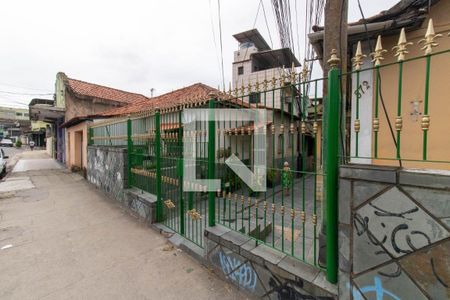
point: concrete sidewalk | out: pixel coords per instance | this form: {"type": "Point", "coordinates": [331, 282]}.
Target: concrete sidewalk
{"type": "Point", "coordinates": [63, 239]}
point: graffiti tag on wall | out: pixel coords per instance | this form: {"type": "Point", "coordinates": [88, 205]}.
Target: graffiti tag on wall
{"type": "Point", "coordinates": [375, 289]}
{"type": "Point", "coordinates": [238, 272]}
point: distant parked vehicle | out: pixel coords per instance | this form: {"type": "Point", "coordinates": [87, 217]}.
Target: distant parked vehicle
{"type": "Point", "coordinates": [3, 158]}
{"type": "Point", "coordinates": [6, 143]}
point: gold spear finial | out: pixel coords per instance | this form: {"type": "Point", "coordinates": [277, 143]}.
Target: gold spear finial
{"type": "Point", "coordinates": [378, 54]}
{"type": "Point", "coordinates": [358, 59]}
{"type": "Point", "coordinates": [305, 71]}
{"type": "Point", "coordinates": [257, 84]}
{"type": "Point", "coordinates": [293, 74]}
{"type": "Point", "coordinates": [282, 77]}
{"type": "Point", "coordinates": [274, 80]}
{"type": "Point", "coordinates": [265, 82]}
{"type": "Point", "coordinates": [334, 59]}
{"type": "Point", "coordinates": [428, 41]}
{"type": "Point", "coordinates": [400, 49]}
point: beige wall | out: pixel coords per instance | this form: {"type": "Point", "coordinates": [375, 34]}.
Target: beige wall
{"type": "Point", "coordinates": [76, 147]}
{"type": "Point", "coordinates": [50, 144]}
{"type": "Point", "coordinates": [76, 107]}
{"type": "Point", "coordinates": [414, 90]}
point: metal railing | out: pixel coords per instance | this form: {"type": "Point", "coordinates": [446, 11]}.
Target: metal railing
{"type": "Point", "coordinates": [393, 123]}
{"type": "Point", "coordinates": [288, 215]}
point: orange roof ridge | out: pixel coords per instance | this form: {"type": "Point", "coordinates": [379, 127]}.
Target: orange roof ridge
{"type": "Point", "coordinates": [107, 87]}
{"type": "Point", "coordinates": [196, 92]}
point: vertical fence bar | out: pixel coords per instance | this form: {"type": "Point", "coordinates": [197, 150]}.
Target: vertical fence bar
{"type": "Point", "coordinates": [398, 120]}
{"type": "Point", "coordinates": [129, 151]}
{"type": "Point", "coordinates": [159, 207]}
{"type": "Point", "coordinates": [303, 153]}
{"type": "Point", "coordinates": [293, 167]}
{"type": "Point", "coordinates": [90, 136]}
{"type": "Point", "coordinates": [180, 168]}
{"type": "Point", "coordinates": [376, 121]}
{"type": "Point", "coordinates": [211, 163]}
{"type": "Point", "coordinates": [426, 118]}
{"type": "Point", "coordinates": [314, 218]}
{"type": "Point", "coordinates": [357, 122]}
{"type": "Point", "coordinates": [331, 156]}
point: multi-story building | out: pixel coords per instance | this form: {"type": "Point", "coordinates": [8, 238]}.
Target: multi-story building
{"type": "Point", "coordinates": [14, 123]}
{"type": "Point", "coordinates": [255, 61]}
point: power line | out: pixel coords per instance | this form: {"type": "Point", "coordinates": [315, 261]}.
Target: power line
{"type": "Point", "coordinates": [254, 23]}
{"type": "Point", "coordinates": [26, 94]}
{"type": "Point", "coordinates": [17, 102]}
{"type": "Point", "coordinates": [214, 37]}
{"type": "Point", "coordinates": [257, 13]}
{"type": "Point", "coordinates": [221, 46]}
{"type": "Point", "coordinates": [296, 26]}
{"type": "Point", "coordinates": [267, 24]}
{"type": "Point", "coordinates": [22, 87]}
{"type": "Point", "coordinates": [379, 81]}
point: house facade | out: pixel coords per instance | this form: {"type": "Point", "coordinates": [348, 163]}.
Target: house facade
{"type": "Point", "coordinates": [83, 101]}
{"type": "Point", "coordinates": [73, 101]}
{"type": "Point", "coordinates": [398, 106]}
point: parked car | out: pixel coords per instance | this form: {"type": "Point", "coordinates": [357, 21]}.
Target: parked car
{"type": "Point", "coordinates": [3, 158]}
{"type": "Point", "coordinates": [6, 143]}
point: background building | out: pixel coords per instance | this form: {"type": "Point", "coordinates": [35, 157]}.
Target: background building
{"type": "Point", "coordinates": [14, 123]}
{"type": "Point", "coordinates": [255, 61]}
{"type": "Point", "coordinates": [74, 99]}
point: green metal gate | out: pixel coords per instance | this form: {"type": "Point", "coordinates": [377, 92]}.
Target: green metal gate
{"type": "Point", "coordinates": [288, 215]}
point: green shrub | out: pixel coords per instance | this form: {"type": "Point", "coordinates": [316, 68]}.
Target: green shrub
{"type": "Point", "coordinates": [18, 144]}
{"type": "Point", "coordinates": [271, 177]}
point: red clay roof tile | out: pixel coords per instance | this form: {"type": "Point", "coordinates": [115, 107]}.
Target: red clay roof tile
{"type": "Point", "coordinates": [195, 93]}
{"type": "Point", "coordinates": [86, 89]}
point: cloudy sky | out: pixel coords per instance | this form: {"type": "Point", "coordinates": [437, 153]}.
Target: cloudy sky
{"type": "Point", "coordinates": [131, 45]}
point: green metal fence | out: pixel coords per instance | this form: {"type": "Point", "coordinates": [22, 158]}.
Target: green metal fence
{"type": "Point", "coordinates": [408, 93]}
{"type": "Point", "coordinates": [287, 216]}
{"type": "Point", "coordinates": [109, 133]}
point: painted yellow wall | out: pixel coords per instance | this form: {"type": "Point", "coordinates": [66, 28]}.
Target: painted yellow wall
{"type": "Point", "coordinates": [72, 148]}
{"type": "Point", "coordinates": [36, 125]}
{"type": "Point", "coordinates": [413, 90]}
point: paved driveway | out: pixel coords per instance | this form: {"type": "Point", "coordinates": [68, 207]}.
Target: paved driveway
{"type": "Point", "coordinates": [63, 239]}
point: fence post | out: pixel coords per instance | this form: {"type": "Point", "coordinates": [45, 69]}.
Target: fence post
{"type": "Point", "coordinates": [129, 150]}
{"type": "Point", "coordinates": [180, 171]}
{"type": "Point", "coordinates": [211, 162]}
{"type": "Point", "coordinates": [90, 135]}
{"type": "Point", "coordinates": [331, 167]}
{"type": "Point", "coordinates": [159, 206]}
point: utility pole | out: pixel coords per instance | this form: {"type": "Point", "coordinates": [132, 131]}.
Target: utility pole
{"type": "Point", "coordinates": [335, 32]}
{"type": "Point", "coordinates": [335, 37]}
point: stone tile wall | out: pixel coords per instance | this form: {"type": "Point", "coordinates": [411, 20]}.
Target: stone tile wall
{"type": "Point", "coordinates": [107, 169]}
{"type": "Point", "coordinates": [261, 270]}
{"type": "Point", "coordinates": [393, 233]}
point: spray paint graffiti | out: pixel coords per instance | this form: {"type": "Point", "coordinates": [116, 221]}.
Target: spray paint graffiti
{"type": "Point", "coordinates": [240, 273]}
{"type": "Point", "coordinates": [376, 288]}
